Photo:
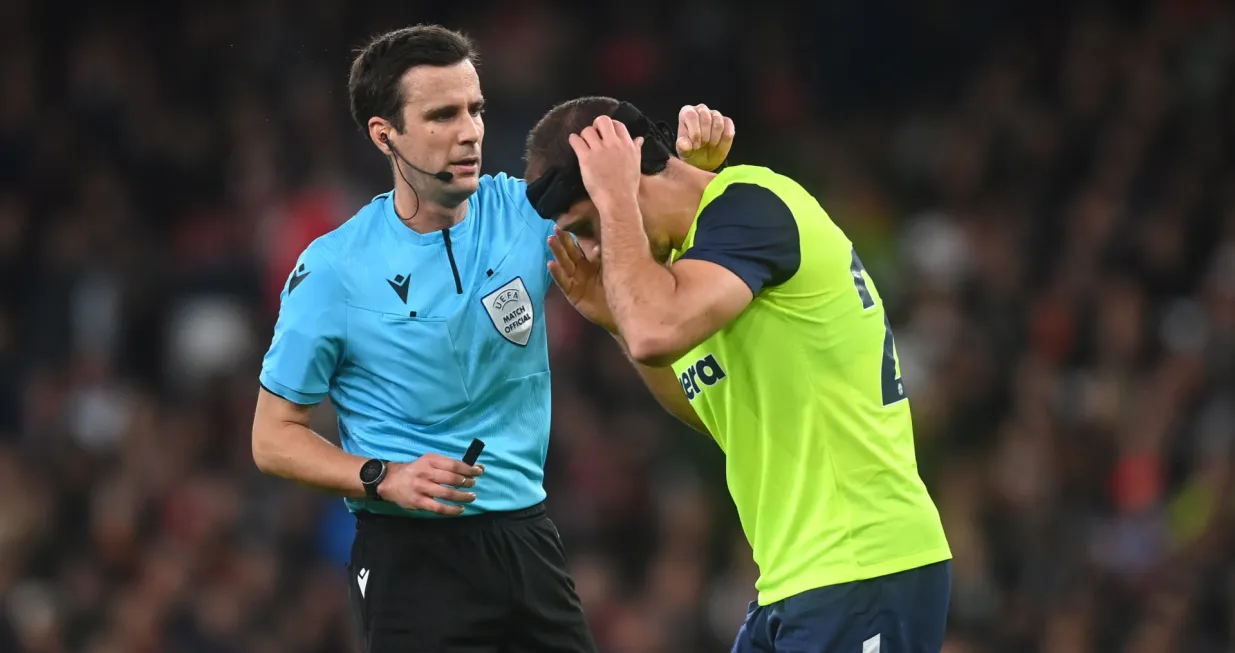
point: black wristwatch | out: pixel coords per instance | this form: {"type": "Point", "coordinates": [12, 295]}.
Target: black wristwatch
{"type": "Point", "coordinates": [372, 473]}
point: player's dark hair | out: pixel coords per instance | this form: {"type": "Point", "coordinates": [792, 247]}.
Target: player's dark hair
{"type": "Point", "coordinates": [374, 84]}
{"type": "Point", "coordinates": [555, 180]}
{"type": "Point", "coordinates": [548, 144]}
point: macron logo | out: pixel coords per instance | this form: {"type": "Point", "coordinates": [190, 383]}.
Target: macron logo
{"type": "Point", "coordinates": [400, 284]}
{"type": "Point", "coordinates": [298, 275]}
{"type": "Point", "coordinates": [362, 581]}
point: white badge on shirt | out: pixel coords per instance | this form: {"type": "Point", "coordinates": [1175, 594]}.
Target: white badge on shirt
{"type": "Point", "coordinates": [510, 308]}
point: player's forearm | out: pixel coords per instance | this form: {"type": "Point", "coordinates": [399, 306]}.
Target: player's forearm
{"type": "Point", "coordinates": [295, 452]}
{"type": "Point", "coordinates": [663, 383]}
{"type": "Point", "coordinates": [639, 290]}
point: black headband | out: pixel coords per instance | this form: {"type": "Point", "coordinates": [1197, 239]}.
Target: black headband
{"type": "Point", "coordinates": [560, 187]}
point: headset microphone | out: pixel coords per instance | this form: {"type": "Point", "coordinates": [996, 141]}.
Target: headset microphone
{"type": "Point", "coordinates": [444, 176]}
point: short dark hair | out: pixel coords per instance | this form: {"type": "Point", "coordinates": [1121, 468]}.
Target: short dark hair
{"type": "Point", "coordinates": [548, 144]}
{"type": "Point", "coordinates": [374, 82]}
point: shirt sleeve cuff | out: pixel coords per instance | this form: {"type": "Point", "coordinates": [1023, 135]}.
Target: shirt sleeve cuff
{"type": "Point", "coordinates": [294, 396]}
{"type": "Point", "coordinates": [750, 274]}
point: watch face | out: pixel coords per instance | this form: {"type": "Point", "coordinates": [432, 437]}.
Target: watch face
{"type": "Point", "coordinates": [371, 471]}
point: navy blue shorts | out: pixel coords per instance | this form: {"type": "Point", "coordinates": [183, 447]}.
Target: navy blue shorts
{"type": "Point", "coordinates": [905, 612]}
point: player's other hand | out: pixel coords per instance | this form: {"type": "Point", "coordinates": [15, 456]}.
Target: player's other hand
{"type": "Point", "coordinates": [424, 483]}
{"type": "Point", "coordinates": [578, 275]}
{"type": "Point", "coordinates": [704, 136]}
{"type": "Point", "coordinates": [608, 161]}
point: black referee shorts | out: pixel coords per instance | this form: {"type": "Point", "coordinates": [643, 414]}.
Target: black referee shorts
{"type": "Point", "coordinates": [492, 583]}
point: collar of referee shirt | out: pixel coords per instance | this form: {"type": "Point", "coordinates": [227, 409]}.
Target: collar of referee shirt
{"type": "Point", "coordinates": [560, 187]}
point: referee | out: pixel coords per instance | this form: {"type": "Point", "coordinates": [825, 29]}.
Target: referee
{"type": "Point", "coordinates": [421, 318]}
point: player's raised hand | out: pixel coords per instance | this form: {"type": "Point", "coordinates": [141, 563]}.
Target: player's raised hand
{"type": "Point", "coordinates": [608, 161]}
{"type": "Point", "coordinates": [705, 136]}
{"type": "Point", "coordinates": [579, 277]}
{"type": "Point", "coordinates": [423, 483]}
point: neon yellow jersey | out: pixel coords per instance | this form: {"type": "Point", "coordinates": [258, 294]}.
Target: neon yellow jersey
{"type": "Point", "coordinates": [804, 395]}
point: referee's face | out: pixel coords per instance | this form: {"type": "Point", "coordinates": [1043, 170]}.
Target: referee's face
{"type": "Point", "coordinates": [443, 114]}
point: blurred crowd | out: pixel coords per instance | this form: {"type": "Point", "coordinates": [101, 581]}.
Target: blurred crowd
{"type": "Point", "coordinates": [1044, 194]}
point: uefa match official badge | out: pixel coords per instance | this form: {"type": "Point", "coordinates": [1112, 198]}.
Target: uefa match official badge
{"type": "Point", "coordinates": [510, 309]}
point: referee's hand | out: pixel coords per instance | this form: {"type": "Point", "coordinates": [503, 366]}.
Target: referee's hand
{"type": "Point", "coordinates": [428, 481]}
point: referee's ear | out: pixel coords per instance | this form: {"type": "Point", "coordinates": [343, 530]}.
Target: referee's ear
{"type": "Point", "coordinates": [380, 130]}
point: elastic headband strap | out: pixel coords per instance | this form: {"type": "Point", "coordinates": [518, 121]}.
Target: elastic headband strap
{"type": "Point", "coordinates": [560, 187]}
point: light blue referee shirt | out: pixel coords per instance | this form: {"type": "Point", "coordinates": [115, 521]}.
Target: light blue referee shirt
{"type": "Point", "coordinates": [425, 341]}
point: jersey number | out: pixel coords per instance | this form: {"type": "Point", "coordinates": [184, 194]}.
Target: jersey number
{"type": "Point", "coordinates": [893, 386]}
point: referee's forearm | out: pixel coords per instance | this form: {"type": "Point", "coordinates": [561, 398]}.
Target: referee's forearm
{"type": "Point", "coordinates": [295, 452]}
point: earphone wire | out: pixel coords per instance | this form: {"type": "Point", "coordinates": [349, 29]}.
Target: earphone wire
{"type": "Point", "coordinates": [409, 185]}
{"type": "Point", "coordinates": [394, 158]}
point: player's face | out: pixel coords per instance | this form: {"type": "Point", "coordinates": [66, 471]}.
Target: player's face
{"type": "Point", "coordinates": [444, 123]}
{"type": "Point", "coordinates": [583, 221]}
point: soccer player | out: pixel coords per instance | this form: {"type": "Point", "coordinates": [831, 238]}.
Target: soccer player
{"type": "Point", "coordinates": [421, 319]}
{"type": "Point", "coordinates": [750, 317]}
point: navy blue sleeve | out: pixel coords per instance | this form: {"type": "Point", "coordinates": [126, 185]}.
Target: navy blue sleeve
{"type": "Point", "coordinates": [749, 231]}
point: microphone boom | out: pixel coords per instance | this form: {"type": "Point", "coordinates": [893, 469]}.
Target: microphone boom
{"type": "Point", "coordinates": [445, 176]}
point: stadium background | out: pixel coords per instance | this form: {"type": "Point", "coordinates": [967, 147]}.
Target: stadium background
{"type": "Point", "coordinates": [1045, 195]}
